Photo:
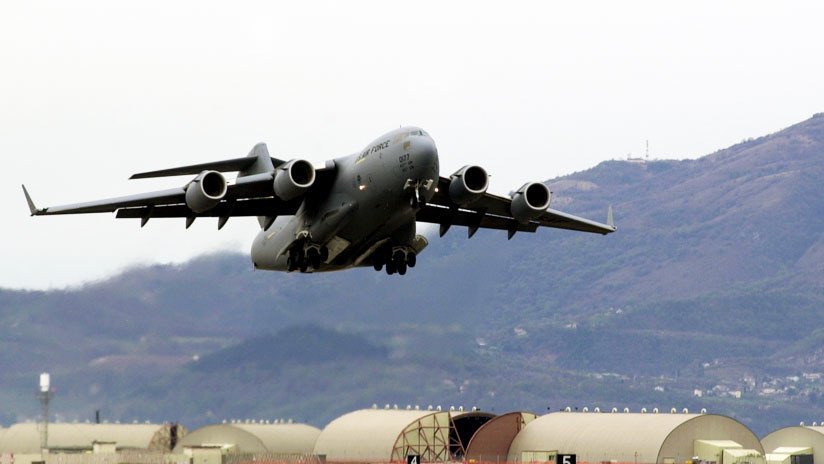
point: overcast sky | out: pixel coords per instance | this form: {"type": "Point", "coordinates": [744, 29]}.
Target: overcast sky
{"type": "Point", "coordinates": [93, 91]}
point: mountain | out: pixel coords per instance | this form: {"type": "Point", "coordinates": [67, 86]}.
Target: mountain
{"type": "Point", "coordinates": [712, 284]}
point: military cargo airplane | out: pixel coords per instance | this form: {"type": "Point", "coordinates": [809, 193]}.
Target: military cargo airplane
{"type": "Point", "coordinates": [358, 210]}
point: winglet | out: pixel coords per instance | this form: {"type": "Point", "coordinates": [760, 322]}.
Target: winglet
{"type": "Point", "coordinates": [32, 208]}
{"type": "Point", "coordinates": [610, 220]}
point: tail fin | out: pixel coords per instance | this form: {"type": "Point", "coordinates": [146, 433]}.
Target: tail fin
{"type": "Point", "coordinates": [32, 208]}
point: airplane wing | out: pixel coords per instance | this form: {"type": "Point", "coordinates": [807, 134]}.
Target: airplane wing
{"type": "Point", "coordinates": [493, 212]}
{"type": "Point", "coordinates": [250, 195]}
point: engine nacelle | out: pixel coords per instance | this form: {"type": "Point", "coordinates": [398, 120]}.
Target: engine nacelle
{"type": "Point", "coordinates": [468, 184]}
{"type": "Point", "coordinates": [293, 178]}
{"type": "Point", "coordinates": [530, 201]}
{"type": "Point", "coordinates": [205, 191]}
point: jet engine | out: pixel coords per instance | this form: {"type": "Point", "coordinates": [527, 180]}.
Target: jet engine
{"type": "Point", "coordinates": [205, 191]}
{"type": "Point", "coordinates": [530, 201]}
{"type": "Point", "coordinates": [468, 184]}
{"type": "Point", "coordinates": [293, 178]}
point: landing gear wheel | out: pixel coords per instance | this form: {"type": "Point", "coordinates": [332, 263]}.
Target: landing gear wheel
{"type": "Point", "coordinates": [402, 269]}
{"type": "Point", "coordinates": [324, 254]}
{"type": "Point", "coordinates": [377, 265]}
{"type": "Point", "coordinates": [390, 268]}
{"type": "Point", "coordinates": [293, 261]}
{"type": "Point", "coordinates": [411, 259]}
{"type": "Point", "coordinates": [303, 263]}
{"type": "Point", "coordinates": [398, 258]}
{"type": "Point", "coordinates": [313, 257]}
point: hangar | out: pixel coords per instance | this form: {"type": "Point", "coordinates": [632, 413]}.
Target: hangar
{"type": "Point", "coordinates": [632, 437]}
{"type": "Point", "coordinates": [390, 434]}
{"type": "Point", "coordinates": [25, 438]}
{"type": "Point", "coordinates": [465, 425]}
{"type": "Point", "coordinates": [279, 438]}
{"type": "Point", "coordinates": [795, 445]}
{"type": "Point", "coordinates": [492, 440]}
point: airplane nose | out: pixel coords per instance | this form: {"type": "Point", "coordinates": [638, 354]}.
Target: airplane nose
{"type": "Point", "coordinates": [426, 156]}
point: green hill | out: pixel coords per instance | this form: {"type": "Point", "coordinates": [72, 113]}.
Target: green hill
{"type": "Point", "coordinates": [713, 283]}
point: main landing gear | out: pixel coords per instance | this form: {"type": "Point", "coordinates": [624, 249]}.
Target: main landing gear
{"type": "Point", "coordinates": [396, 259]}
{"type": "Point", "coordinates": [304, 256]}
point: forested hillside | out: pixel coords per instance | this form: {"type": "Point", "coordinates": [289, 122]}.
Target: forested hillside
{"type": "Point", "coordinates": [713, 282]}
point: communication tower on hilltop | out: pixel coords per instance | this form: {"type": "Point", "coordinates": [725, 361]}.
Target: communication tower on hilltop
{"type": "Point", "coordinates": [44, 394]}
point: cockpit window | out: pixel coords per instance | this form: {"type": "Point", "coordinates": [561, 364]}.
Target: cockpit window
{"type": "Point", "coordinates": [417, 132]}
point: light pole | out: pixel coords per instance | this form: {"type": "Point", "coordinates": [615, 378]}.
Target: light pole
{"type": "Point", "coordinates": [44, 394]}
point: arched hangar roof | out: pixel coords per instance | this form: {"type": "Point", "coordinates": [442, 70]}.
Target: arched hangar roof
{"type": "Point", "coordinates": [797, 437]}
{"type": "Point", "coordinates": [386, 435]}
{"type": "Point", "coordinates": [293, 439]}
{"type": "Point", "coordinates": [492, 440]}
{"type": "Point", "coordinates": [25, 437]}
{"type": "Point", "coordinates": [628, 437]}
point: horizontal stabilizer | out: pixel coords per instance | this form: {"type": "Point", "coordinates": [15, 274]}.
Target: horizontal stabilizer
{"type": "Point", "coordinates": [235, 164]}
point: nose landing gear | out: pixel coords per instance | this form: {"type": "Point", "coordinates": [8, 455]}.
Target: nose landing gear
{"type": "Point", "coordinates": [418, 187]}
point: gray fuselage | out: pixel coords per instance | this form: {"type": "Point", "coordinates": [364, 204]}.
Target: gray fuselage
{"type": "Point", "coordinates": [370, 205]}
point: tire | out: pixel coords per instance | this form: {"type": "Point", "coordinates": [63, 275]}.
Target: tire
{"type": "Point", "coordinates": [398, 258]}
{"type": "Point", "coordinates": [313, 257]}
